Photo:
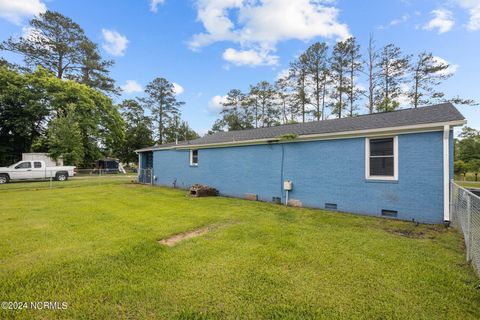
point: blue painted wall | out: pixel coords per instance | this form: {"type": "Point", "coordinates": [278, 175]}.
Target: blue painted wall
{"type": "Point", "coordinates": [329, 171]}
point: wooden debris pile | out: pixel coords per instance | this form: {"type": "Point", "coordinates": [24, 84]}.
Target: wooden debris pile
{"type": "Point", "coordinates": [200, 190]}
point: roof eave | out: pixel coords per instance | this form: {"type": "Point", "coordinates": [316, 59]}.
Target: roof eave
{"type": "Point", "coordinates": [321, 136]}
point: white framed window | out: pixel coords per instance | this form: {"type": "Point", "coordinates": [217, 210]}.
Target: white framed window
{"type": "Point", "coordinates": [381, 158]}
{"type": "Point", "coordinates": [194, 157]}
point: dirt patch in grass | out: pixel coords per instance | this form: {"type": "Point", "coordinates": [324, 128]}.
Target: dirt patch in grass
{"type": "Point", "coordinates": [416, 231]}
{"type": "Point", "coordinates": [175, 239]}
{"type": "Point", "coordinates": [409, 233]}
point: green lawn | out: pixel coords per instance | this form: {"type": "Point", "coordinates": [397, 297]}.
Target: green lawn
{"type": "Point", "coordinates": [469, 184]}
{"type": "Point", "coordinates": [95, 247]}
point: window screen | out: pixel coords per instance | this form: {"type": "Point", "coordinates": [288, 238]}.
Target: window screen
{"type": "Point", "coordinates": [24, 165]}
{"type": "Point", "coordinates": [381, 157]}
{"type": "Point", "coordinates": [194, 157]}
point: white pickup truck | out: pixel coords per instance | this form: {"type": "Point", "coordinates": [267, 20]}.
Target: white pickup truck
{"type": "Point", "coordinates": [34, 170]}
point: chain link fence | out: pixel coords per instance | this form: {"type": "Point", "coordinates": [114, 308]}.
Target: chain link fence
{"type": "Point", "coordinates": [145, 176]}
{"type": "Point", "coordinates": [81, 177]}
{"type": "Point", "coordinates": [465, 211]}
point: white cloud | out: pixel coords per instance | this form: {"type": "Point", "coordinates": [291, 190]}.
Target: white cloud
{"type": "Point", "coordinates": [154, 4]}
{"type": "Point", "coordinates": [452, 68]}
{"type": "Point", "coordinates": [259, 25]}
{"type": "Point", "coordinates": [473, 7]}
{"type": "Point", "coordinates": [15, 10]}
{"type": "Point", "coordinates": [400, 20]}
{"type": "Point", "coordinates": [442, 21]}
{"type": "Point", "coordinates": [178, 89]}
{"type": "Point", "coordinates": [249, 57]}
{"type": "Point", "coordinates": [216, 103]}
{"type": "Point", "coordinates": [131, 86]}
{"type": "Point", "coordinates": [202, 132]}
{"type": "Point", "coordinates": [115, 43]}
{"type": "Point", "coordinates": [284, 73]}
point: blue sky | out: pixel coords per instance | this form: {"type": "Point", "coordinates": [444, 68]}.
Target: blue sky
{"type": "Point", "coordinates": [207, 47]}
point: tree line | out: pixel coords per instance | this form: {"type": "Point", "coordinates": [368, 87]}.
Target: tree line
{"type": "Point", "coordinates": [325, 79]}
{"type": "Point", "coordinates": [61, 100]}
{"type": "Point", "coordinates": [467, 152]}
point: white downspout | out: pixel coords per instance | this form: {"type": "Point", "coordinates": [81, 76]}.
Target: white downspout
{"type": "Point", "coordinates": [446, 173]}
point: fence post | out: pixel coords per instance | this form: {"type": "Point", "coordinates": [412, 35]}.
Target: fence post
{"type": "Point", "coordinates": [469, 228]}
{"type": "Point", "coordinates": [450, 206]}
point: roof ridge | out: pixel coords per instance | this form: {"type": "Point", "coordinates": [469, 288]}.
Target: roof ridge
{"type": "Point", "coordinates": [332, 119]}
{"type": "Point", "coordinates": [434, 114]}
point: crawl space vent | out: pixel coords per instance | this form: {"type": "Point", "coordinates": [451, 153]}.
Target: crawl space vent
{"type": "Point", "coordinates": [277, 200]}
{"type": "Point", "coordinates": [331, 206]}
{"type": "Point", "coordinates": [389, 213]}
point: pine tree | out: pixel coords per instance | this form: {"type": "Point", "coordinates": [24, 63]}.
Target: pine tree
{"type": "Point", "coordinates": [178, 130]}
{"type": "Point", "coordinates": [94, 71]}
{"type": "Point", "coordinates": [163, 103]}
{"type": "Point", "coordinates": [316, 64]}
{"type": "Point", "coordinates": [372, 74]}
{"type": "Point", "coordinates": [236, 113]}
{"type": "Point", "coordinates": [285, 100]}
{"type": "Point", "coordinates": [298, 74]}
{"type": "Point", "coordinates": [339, 72]}
{"type": "Point", "coordinates": [262, 98]}
{"type": "Point", "coordinates": [355, 66]}
{"type": "Point", "coordinates": [427, 74]}
{"type": "Point", "coordinates": [59, 44]}
{"type": "Point", "coordinates": [393, 67]}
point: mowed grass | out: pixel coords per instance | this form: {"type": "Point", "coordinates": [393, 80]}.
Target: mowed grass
{"type": "Point", "coordinates": [469, 184]}
{"type": "Point", "coordinates": [96, 248]}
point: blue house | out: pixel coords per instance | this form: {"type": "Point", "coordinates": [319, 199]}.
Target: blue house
{"type": "Point", "coordinates": [396, 164]}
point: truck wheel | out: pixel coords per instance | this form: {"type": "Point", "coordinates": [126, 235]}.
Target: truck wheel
{"type": "Point", "coordinates": [4, 178]}
{"type": "Point", "coordinates": [61, 176]}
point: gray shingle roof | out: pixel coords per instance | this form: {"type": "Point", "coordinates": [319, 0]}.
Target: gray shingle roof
{"type": "Point", "coordinates": [406, 117]}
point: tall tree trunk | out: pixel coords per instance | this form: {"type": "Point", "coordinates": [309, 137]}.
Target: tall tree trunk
{"type": "Point", "coordinates": [371, 65]}
{"type": "Point", "coordinates": [340, 89]}
{"type": "Point", "coordinates": [263, 114]}
{"type": "Point", "coordinates": [323, 96]}
{"type": "Point", "coordinates": [160, 120]}
{"type": "Point", "coordinates": [303, 98]}
{"type": "Point", "coordinates": [60, 67]}
{"type": "Point", "coordinates": [415, 93]}
{"type": "Point", "coordinates": [387, 79]}
{"type": "Point", "coordinates": [352, 71]}
{"type": "Point", "coordinates": [317, 93]}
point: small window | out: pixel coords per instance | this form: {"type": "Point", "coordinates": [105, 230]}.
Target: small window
{"type": "Point", "coordinates": [37, 165]}
{"type": "Point", "coordinates": [194, 157]}
{"type": "Point", "coordinates": [381, 158]}
{"type": "Point", "coordinates": [24, 165]}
